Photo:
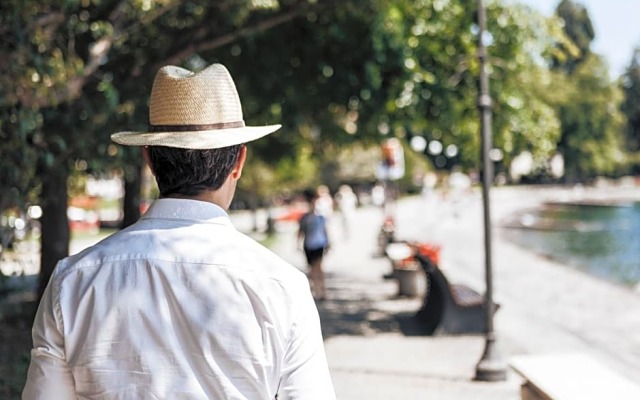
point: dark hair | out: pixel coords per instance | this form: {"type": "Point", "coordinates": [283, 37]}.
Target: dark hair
{"type": "Point", "coordinates": [191, 172]}
{"type": "Point", "coordinates": [310, 195]}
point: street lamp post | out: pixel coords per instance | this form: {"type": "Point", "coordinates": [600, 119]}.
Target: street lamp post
{"type": "Point", "coordinates": [491, 366]}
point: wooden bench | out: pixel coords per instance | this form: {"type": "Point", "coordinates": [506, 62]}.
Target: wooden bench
{"type": "Point", "coordinates": [570, 377]}
{"type": "Point", "coordinates": [447, 308]}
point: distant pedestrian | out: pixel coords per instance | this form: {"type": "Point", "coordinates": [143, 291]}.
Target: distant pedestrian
{"type": "Point", "coordinates": [428, 211]}
{"type": "Point", "coordinates": [324, 202]}
{"type": "Point", "coordinates": [429, 183]}
{"type": "Point", "coordinates": [347, 203]}
{"type": "Point", "coordinates": [458, 187]}
{"type": "Point", "coordinates": [378, 195]}
{"type": "Point", "coordinates": [315, 242]}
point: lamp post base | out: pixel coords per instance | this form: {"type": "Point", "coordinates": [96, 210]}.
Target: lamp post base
{"type": "Point", "coordinates": [491, 367]}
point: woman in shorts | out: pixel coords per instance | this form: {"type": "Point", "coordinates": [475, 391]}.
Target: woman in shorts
{"type": "Point", "coordinates": [315, 242]}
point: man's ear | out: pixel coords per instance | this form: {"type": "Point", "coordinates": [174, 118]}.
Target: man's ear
{"type": "Point", "coordinates": [147, 158]}
{"type": "Point", "coordinates": [236, 172]}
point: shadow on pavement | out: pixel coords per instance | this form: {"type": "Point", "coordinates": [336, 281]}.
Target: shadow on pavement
{"type": "Point", "coordinates": [352, 309]}
{"type": "Point", "coordinates": [353, 317]}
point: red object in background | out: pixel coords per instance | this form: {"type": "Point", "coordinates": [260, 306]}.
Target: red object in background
{"type": "Point", "coordinates": [392, 153]}
{"type": "Point", "coordinates": [84, 226]}
{"type": "Point", "coordinates": [292, 215]}
{"type": "Point", "coordinates": [388, 153]}
{"type": "Point", "coordinates": [144, 206]}
{"type": "Point", "coordinates": [83, 220]}
{"type": "Point", "coordinates": [431, 251]}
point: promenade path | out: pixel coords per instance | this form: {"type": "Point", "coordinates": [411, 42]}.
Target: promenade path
{"type": "Point", "coordinates": [546, 307]}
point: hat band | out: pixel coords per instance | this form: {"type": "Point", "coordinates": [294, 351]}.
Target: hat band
{"type": "Point", "coordinates": [187, 128]}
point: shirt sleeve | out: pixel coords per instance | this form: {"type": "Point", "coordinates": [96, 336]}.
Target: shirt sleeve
{"type": "Point", "coordinates": [49, 376]}
{"type": "Point", "coordinates": [305, 373]}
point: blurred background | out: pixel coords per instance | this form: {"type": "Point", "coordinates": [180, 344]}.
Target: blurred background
{"type": "Point", "coordinates": [344, 78]}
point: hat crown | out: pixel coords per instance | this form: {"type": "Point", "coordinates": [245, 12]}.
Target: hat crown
{"type": "Point", "coordinates": [194, 110]}
{"type": "Point", "coordinates": [182, 97]}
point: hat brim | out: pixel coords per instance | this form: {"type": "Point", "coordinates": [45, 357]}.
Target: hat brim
{"type": "Point", "coordinates": [197, 140]}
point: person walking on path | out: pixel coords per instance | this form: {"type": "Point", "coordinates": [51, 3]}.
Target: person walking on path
{"type": "Point", "coordinates": [324, 202]}
{"type": "Point", "coordinates": [181, 304]}
{"type": "Point", "coordinates": [347, 203]}
{"type": "Point", "coordinates": [315, 242]}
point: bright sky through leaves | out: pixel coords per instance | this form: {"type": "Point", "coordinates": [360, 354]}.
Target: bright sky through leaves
{"type": "Point", "coordinates": [615, 23]}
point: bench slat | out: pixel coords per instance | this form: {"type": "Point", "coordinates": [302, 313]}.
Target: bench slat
{"type": "Point", "coordinates": [465, 296]}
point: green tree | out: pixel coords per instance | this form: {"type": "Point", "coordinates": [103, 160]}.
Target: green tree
{"type": "Point", "coordinates": [579, 30]}
{"type": "Point", "coordinates": [521, 84]}
{"type": "Point", "coordinates": [587, 102]}
{"type": "Point", "coordinates": [436, 96]}
{"type": "Point", "coordinates": [591, 141]}
{"type": "Point", "coordinates": [351, 72]}
{"type": "Point", "coordinates": [60, 65]}
{"type": "Point", "coordinates": [631, 106]}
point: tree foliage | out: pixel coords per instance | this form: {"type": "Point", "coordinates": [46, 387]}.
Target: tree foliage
{"type": "Point", "coordinates": [587, 103]}
{"type": "Point", "coordinates": [336, 74]}
{"type": "Point", "coordinates": [72, 71]}
{"type": "Point", "coordinates": [631, 104]}
{"type": "Point", "coordinates": [579, 30]}
{"type": "Point", "coordinates": [592, 140]}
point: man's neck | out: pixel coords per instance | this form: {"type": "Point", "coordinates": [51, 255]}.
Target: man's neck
{"type": "Point", "coordinates": [210, 196]}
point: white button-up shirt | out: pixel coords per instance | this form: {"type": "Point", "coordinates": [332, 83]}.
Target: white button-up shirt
{"type": "Point", "coordinates": [178, 306]}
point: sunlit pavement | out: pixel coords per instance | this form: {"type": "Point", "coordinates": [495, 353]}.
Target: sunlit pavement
{"type": "Point", "coordinates": [546, 308]}
{"type": "Point", "coordinates": [371, 347]}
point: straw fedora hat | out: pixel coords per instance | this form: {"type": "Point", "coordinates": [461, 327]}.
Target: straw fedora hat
{"type": "Point", "coordinates": [194, 110]}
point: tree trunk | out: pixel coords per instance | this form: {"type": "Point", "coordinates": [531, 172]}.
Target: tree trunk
{"type": "Point", "coordinates": [131, 201]}
{"type": "Point", "coordinates": [55, 225]}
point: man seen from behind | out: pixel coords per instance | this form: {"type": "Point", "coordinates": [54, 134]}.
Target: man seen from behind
{"type": "Point", "coordinates": [181, 305]}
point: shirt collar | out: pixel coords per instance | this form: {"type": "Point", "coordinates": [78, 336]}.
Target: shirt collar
{"type": "Point", "coordinates": [187, 209]}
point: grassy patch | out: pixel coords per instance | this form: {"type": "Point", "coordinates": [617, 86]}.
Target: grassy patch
{"type": "Point", "coordinates": [268, 240]}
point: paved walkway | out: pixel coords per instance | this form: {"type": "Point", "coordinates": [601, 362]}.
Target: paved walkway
{"type": "Point", "coordinates": [546, 308]}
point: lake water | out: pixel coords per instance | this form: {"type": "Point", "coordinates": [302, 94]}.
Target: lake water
{"type": "Point", "coordinates": [600, 240]}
